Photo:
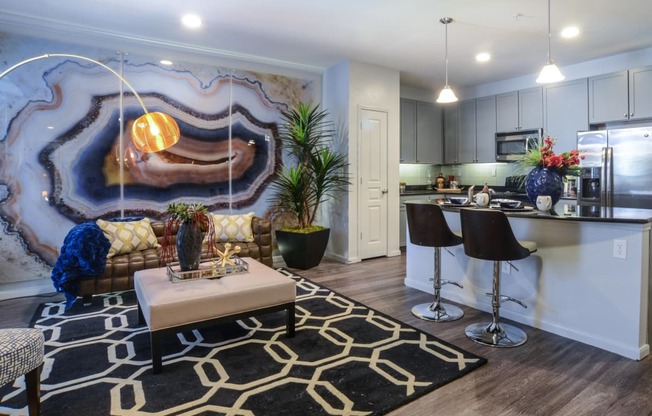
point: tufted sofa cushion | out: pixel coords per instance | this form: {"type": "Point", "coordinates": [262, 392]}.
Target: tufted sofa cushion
{"type": "Point", "coordinates": [120, 269]}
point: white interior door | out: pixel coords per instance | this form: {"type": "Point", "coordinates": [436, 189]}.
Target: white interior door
{"type": "Point", "coordinates": [372, 172]}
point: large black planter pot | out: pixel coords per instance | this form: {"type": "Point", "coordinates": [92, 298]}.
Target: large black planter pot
{"type": "Point", "coordinates": [189, 238]}
{"type": "Point", "coordinates": [302, 251]}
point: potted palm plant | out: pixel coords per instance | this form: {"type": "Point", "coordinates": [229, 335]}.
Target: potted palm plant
{"type": "Point", "coordinates": [313, 174]}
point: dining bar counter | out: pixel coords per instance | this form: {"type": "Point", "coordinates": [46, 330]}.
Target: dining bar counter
{"type": "Point", "coordinates": [576, 284]}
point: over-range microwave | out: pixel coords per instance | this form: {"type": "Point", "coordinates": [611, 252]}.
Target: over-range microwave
{"type": "Point", "coordinates": [511, 146]}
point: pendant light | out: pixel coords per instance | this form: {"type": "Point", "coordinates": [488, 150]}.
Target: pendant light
{"type": "Point", "coordinates": [446, 95]}
{"type": "Point", "coordinates": [550, 73]}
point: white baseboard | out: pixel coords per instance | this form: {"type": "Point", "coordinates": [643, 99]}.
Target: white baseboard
{"type": "Point", "coordinates": [26, 288]}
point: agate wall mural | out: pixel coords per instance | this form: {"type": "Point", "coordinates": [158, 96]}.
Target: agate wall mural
{"type": "Point", "coordinates": [62, 161]}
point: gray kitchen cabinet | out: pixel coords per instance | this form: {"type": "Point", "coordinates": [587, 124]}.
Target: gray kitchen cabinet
{"type": "Point", "coordinates": [485, 139]}
{"type": "Point", "coordinates": [421, 132]}
{"type": "Point", "coordinates": [507, 111]}
{"type": "Point", "coordinates": [640, 99]}
{"type": "Point", "coordinates": [622, 95]}
{"type": "Point", "coordinates": [408, 131]}
{"type": "Point", "coordinates": [566, 112]}
{"type": "Point", "coordinates": [451, 132]}
{"type": "Point", "coordinates": [608, 97]}
{"type": "Point", "coordinates": [470, 131]}
{"type": "Point", "coordinates": [519, 110]}
{"type": "Point", "coordinates": [430, 142]}
{"type": "Point", "coordinates": [466, 143]}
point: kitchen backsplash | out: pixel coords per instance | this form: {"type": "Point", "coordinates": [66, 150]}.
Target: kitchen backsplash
{"type": "Point", "coordinates": [468, 174]}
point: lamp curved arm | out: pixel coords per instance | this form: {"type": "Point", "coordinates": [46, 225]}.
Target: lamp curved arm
{"type": "Point", "coordinates": [83, 58]}
{"type": "Point", "coordinates": [152, 132]}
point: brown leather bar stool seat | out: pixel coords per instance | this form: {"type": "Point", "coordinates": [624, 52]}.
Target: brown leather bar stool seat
{"type": "Point", "coordinates": [429, 228]}
{"type": "Point", "coordinates": [489, 236]}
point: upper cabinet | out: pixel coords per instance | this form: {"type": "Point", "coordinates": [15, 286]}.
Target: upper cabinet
{"type": "Point", "coordinates": [519, 110]}
{"type": "Point", "coordinates": [421, 132]}
{"type": "Point", "coordinates": [467, 133]}
{"type": "Point", "coordinates": [451, 133]}
{"type": "Point", "coordinates": [408, 131]}
{"type": "Point", "coordinates": [485, 150]}
{"type": "Point", "coordinates": [470, 131]}
{"type": "Point", "coordinates": [566, 112]}
{"type": "Point", "coordinates": [618, 96]}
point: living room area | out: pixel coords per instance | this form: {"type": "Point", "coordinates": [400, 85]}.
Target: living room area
{"type": "Point", "coordinates": [125, 329]}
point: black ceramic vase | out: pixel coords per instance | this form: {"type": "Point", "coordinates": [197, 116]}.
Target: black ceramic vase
{"type": "Point", "coordinates": [189, 238]}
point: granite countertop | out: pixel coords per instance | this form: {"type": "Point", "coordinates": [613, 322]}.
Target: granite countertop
{"type": "Point", "coordinates": [568, 210]}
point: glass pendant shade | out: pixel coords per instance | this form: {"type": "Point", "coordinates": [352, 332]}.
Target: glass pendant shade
{"type": "Point", "coordinates": [550, 73]}
{"type": "Point", "coordinates": [153, 132]}
{"type": "Point", "coordinates": [446, 95]}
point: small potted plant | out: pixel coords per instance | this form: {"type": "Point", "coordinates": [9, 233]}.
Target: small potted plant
{"type": "Point", "coordinates": [189, 221]}
{"type": "Point", "coordinates": [315, 173]}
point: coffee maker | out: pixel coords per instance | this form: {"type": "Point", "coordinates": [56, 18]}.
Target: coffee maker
{"type": "Point", "coordinates": [588, 192]}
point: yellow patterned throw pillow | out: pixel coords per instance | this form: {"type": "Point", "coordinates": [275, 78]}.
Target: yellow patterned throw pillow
{"type": "Point", "coordinates": [128, 236]}
{"type": "Point", "coordinates": [233, 227]}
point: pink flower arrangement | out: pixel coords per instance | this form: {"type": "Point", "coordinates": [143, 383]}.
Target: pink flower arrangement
{"type": "Point", "coordinates": [545, 157]}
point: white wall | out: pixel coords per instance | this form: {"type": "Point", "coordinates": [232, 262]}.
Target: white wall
{"type": "Point", "coordinates": [335, 214]}
{"type": "Point", "coordinates": [371, 87]}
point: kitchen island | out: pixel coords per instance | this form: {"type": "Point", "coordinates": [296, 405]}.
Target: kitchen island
{"type": "Point", "coordinates": [577, 284]}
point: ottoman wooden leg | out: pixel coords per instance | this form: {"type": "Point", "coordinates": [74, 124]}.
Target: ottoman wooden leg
{"type": "Point", "coordinates": [157, 357]}
{"type": "Point", "coordinates": [141, 317]}
{"type": "Point", "coordinates": [33, 387]}
{"type": "Point", "coordinates": [290, 323]}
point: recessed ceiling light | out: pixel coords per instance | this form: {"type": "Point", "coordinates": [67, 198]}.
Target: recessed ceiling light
{"type": "Point", "coordinates": [165, 62]}
{"type": "Point", "coordinates": [483, 57]}
{"type": "Point", "coordinates": [191, 20]}
{"type": "Point", "coordinates": [570, 32]}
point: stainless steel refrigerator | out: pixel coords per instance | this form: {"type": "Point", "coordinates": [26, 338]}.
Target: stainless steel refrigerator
{"type": "Point", "coordinates": [617, 167]}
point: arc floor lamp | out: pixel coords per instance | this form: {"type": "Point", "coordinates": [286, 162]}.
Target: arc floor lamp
{"type": "Point", "coordinates": [151, 132]}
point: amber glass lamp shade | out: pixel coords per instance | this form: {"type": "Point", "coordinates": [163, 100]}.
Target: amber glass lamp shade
{"type": "Point", "coordinates": [153, 132]}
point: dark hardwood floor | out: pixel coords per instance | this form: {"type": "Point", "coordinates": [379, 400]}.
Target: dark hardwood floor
{"type": "Point", "coordinates": [549, 375]}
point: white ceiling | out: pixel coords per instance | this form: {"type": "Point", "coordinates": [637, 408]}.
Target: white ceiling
{"type": "Point", "coordinates": [311, 35]}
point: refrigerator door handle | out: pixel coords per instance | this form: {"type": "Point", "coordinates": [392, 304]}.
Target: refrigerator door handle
{"type": "Point", "coordinates": [606, 178]}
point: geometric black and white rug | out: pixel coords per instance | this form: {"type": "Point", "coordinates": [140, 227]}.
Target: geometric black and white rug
{"type": "Point", "coordinates": [346, 359]}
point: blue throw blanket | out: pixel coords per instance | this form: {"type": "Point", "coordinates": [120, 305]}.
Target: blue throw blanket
{"type": "Point", "coordinates": [83, 254]}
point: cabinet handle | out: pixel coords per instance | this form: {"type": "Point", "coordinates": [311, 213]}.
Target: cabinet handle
{"type": "Point", "coordinates": [384, 191]}
{"type": "Point", "coordinates": [631, 114]}
{"type": "Point", "coordinates": [625, 115]}
{"type": "Point", "coordinates": [515, 127]}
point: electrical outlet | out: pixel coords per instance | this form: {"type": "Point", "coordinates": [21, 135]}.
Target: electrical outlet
{"type": "Point", "coordinates": [505, 268]}
{"type": "Point", "coordinates": [620, 249]}
{"type": "Point", "coordinates": [493, 171]}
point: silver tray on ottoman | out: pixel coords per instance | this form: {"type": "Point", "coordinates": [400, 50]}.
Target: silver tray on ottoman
{"type": "Point", "coordinates": [208, 269]}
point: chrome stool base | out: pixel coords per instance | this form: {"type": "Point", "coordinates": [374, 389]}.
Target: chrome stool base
{"type": "Point", "coordinates": [441, 312]}
{"type": "Point", "coordinates": [496, 335]}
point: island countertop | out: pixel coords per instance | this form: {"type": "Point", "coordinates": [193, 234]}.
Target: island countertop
{"type": "Point", "coordinates": [569, 210]}
{"type": "Point", "coordinates": [576, 284]}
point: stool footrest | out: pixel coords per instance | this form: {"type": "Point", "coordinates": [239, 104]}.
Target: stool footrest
{"type": "Point", "coordinates": [505, 298]}
{"type": "Point", "coordinates": [447, 282]}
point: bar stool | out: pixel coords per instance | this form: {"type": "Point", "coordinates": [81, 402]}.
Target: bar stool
{"type": "Point", "coordinates": [428, 228]}
{"type": "Point", "coordinates": [489, 236]}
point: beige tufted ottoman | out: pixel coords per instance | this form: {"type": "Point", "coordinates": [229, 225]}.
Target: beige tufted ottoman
{"type": "Point", "coordinates": [169, 308]}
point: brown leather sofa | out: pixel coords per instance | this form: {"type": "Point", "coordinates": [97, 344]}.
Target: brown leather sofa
{"type": "Point", "coordinates": [119, 272]}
